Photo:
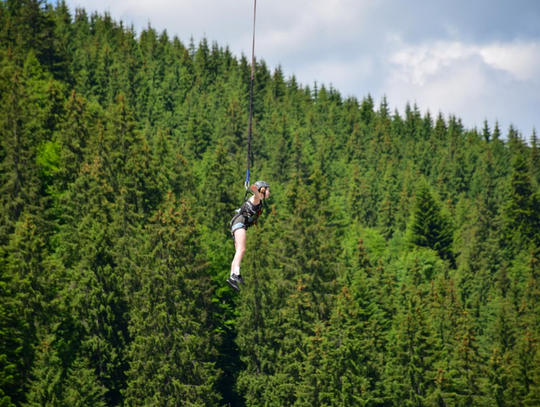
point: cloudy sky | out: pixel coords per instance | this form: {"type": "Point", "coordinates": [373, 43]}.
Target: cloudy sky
{"type": "Point", "coordinates": [476, 59]}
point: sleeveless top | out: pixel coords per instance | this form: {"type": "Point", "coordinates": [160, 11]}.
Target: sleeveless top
{"type": "Point", "coordinates": [248, 214]}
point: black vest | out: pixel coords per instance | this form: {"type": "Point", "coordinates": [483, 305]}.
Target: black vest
{"type": "Point", "coordinates": [250, 212]}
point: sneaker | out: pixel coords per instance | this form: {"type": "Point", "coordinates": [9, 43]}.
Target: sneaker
{"type": "Point", "coordinates": [238, 278]}
{"type": "Point", "coordinates": [233, 283]}
{"type": "Point", "coordinates": [234, 280]}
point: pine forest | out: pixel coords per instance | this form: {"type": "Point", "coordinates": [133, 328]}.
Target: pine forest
{"type": "Point", "coordinates": [396, 263]}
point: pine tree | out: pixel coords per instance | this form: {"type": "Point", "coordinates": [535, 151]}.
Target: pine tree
{"type": "Point", "coordinates": [486, 132]}
{"type": "Point", "coordinates": [196, 124]}
{"type": "Point", "coordinates": [518, 211]}
{"type": "Point", "coordinates": [498, 375]}
{"type": "Point", "coordinates": [465, 367]}
{"type": "Point", "coordinates": [45, 388]}
{"type": "Point", "coordinates": [527, 372]}
{"type": "Point", "coordinates": [500, 371]}
{"type": "Point", "coordinates": [81, 387]}
{"type": "Point", "coordinates": [429, 226]}
{"type": "Point", "coordinates": [10, 339]}
{"type": "Point", "coordinates": [19, 182]}
{"type": "Point", "coordinates": [73, 139]}
{"type": "Point", "coordinates": [352, 372]}
{"type": "Point", "coordinates": [173, 350]}
{"type": "Point", "coordinates": [411, 373]}
{"type": "Point", "coordinates": [220, 199]}
{"type": "Point", "coordinates": [94, 297]}
{"type": "Point", "coordinates": [535, 158]}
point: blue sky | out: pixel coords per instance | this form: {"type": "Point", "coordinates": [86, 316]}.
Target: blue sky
{"type": "Point", "coordinates": [476, 59]}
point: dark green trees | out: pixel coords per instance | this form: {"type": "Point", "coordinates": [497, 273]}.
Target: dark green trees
{"type": "Point", "coordinates": [173, 350]}
{"type": "Point", "coordinates": [522, 209]}
{"type": "Point", "coordinates": [430, 226]}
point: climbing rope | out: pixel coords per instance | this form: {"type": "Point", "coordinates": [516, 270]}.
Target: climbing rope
{"type": "Point", "coordinates": [251, 96]}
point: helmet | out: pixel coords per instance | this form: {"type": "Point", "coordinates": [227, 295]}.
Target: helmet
{"type": "Point", "coordinates": [262, 184]}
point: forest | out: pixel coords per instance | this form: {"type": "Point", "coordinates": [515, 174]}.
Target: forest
{"type": "Point", "coordinates": [396, 263]}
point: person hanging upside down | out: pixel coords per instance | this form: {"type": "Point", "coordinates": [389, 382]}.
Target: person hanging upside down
{"type": "Point", "coordinates": [246, 216]}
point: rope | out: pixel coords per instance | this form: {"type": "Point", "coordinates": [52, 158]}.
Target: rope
{"type": "Point", "coordinates": [251, 94]}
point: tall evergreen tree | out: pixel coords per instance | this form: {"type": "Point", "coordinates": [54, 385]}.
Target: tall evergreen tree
{"type": "Point", "coordinates": [173, 350]}
{"type": "Point", "coordinates": [518, 211]}
{"type": "Point", "coordinates": [45, 387]}
{"type": "Point", "coordinates": [429, 226]}
{"type": "Point", "coordinates": [81, 386]}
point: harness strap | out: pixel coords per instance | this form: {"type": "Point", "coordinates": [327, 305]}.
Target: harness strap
{"type": "Point", "coordinates": [250, 219]}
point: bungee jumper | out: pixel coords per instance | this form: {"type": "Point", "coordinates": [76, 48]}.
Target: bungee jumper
{"type": "Point", "coordinates": [248, 214]}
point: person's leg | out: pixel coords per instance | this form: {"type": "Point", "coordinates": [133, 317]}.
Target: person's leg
{"type": "Point", "coordinates": [240, 245]}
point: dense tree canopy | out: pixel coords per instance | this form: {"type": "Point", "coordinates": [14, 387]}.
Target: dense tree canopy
{"type": "Point", "coordinates": [397, 263]}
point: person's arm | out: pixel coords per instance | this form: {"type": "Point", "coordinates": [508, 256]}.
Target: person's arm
{"type": "Point", "coordinates": [256, 198]}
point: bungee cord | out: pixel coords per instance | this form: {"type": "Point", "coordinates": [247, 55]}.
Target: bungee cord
{"type": "Point", "coordinates": [251, 95]}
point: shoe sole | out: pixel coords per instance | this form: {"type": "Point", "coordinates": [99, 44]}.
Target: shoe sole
{"type": "Point", "coordinates": [233, 284]}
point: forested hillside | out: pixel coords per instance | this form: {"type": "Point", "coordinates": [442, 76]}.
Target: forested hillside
{"type": "Point", "coordinates": [397, 263]}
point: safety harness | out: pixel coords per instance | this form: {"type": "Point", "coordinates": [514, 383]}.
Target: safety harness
{"type": "Point", "coordinates": [247, 216]}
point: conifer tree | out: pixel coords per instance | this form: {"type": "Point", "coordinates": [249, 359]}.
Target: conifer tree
{"type": "Point", "coordinates": [45, 388]}
{"type": "Point", "coordinates": [173, 349]}
{"type": "Point", "coordinates": [94, 297]}
{"type": "Point", "coordinates": [465, 370]}
{"type": "Point", "coordinates": [498, 376]}
{"type": "Point", "coordinates": [19, 183]}
{"type": "Point", "coordinates": [502, 382]}
{"type": "Point", "coordinates": [518, 210]}
{"type": "Point", "coordinates": [535, 158]}
{"type": "Point", "coordinates": [11, 331]}
{"type": "Point", "coordinates": [73, 138]}
{"type": "Point", "coordinates": [429, 226]}
{"type": "Point", "coordinates": [232, 132]}
{"type": "Point", "coordinates": [218, 190]}
{"type": "Point", "coordinates": [527, 354]}
{"type": "Point", "coordinates": [486, 132]}
{"type": "Point", "coordinates": [352, 372]}
{"type": "Point", "coordinates": [81, 387]}
{"type": "Point", "coordinates": [196, 123]}
{"type": "Point", "coordinates": [367, 113]}
{"type": "Point", "coordinates": [411, 370]}
{"type": "Point", "coordinates": [386, 217]}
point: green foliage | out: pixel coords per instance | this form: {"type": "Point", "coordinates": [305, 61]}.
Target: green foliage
{"type": "Point", "coordinates": [45, 387]}
{"type": "Point", "coordinates": [522, 209]}
{"type": "Point", "coordinates": [81, 387]}
{"type": "Point", "coordinates": [396, 262]}
{"type": "Point", "coordinates": [430, 227]}
{"type": "Point", "coordinates": [173, 349]}
{"type": "Point", "coordinates": [10, 340]}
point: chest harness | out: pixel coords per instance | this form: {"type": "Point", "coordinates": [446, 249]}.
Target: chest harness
{"type": "Point", "coordinates": [248, 214]}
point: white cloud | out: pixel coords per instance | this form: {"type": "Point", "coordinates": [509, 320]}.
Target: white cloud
{"type": "Point", "coordinates": [495, 81]}
{"type": "Point", "coordinates": [520, 59]}
{"type": "Point", "coordinates": [417, 63]}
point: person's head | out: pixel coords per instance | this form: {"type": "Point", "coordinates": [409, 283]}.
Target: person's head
{"type": "Point", "coordinates": [263, 188]}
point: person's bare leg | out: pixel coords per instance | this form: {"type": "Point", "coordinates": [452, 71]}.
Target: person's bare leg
{"type": "Point", "coordinates": [240, 245]}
